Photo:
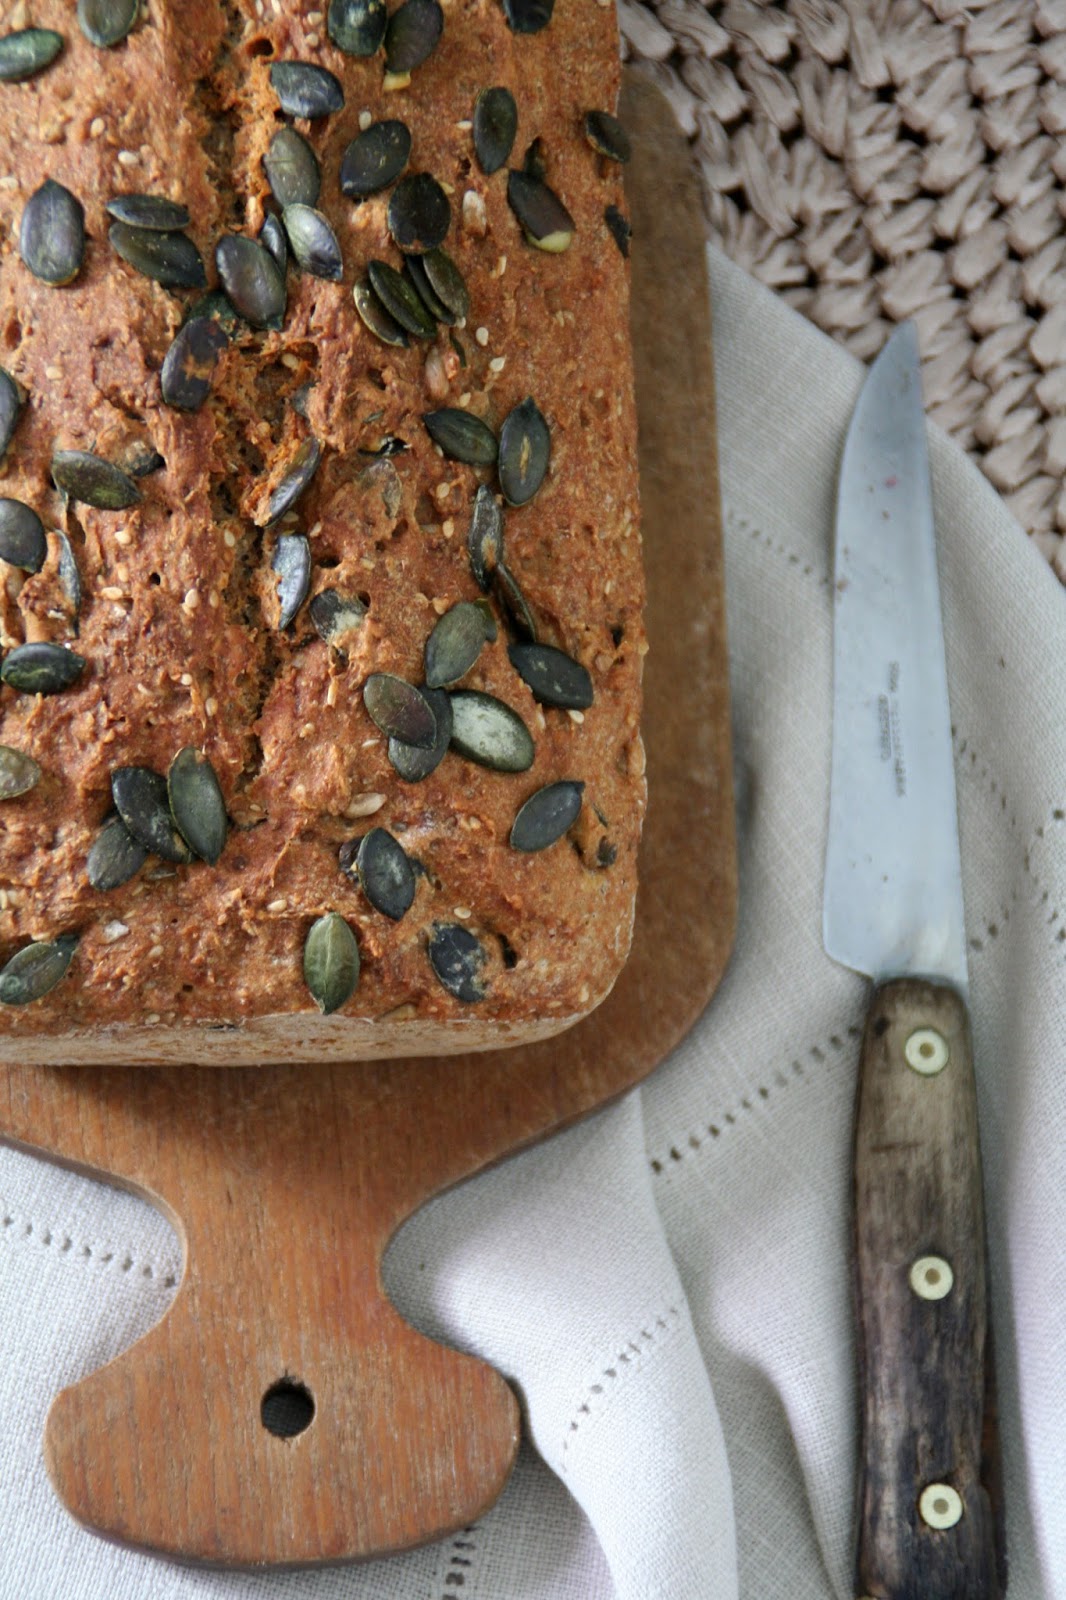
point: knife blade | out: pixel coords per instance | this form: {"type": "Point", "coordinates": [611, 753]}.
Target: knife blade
{"type": "Point", "coordinates": [929, 1524]}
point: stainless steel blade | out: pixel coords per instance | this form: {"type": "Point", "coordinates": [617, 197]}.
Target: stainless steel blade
{"type": "Point", "coordinates": [893, 884]}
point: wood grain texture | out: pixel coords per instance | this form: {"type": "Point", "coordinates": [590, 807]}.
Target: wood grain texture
{"type": "Point", "coordinates": [925, 1364]}
{"type": "Point", "coordinates": [286, 1184]}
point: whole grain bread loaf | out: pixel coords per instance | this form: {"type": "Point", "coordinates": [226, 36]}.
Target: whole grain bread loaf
{"type": "Point", "coordinates": [321, 603]}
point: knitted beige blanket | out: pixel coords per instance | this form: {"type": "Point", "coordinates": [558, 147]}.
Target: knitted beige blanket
{"type": "Point", "coordinates": [873, 160]}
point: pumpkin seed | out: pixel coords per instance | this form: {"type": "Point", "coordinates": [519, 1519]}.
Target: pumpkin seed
{"type": "Point", "coordinates": [484, 542]}
{"type": "Point", "coordinates": [35, 969]}
{"type": "Point", "coordinates": [69, 576]}
{"type": "Point", "coordinates": [416, 277]}
{"type": "Point", "coordinates": [301, 470]}
{"type": "Point", "coordinates": [535, 161]}
{"type": "Point", "coordinates": [305, 90]}
{"type": "Point", "coordinates": [555, 678]}
{"type": "Point", "coordinates": [18, 772]}
{"type": "Point", "coordinates": [142, 801]}
{"type": "Point", "coordinates": [488, 620]}
{"type": "Point", "coordinates": [216, 308]}
{"type": "Point", "coordinates": [509, 593]}
{"type": "Point", "coordinates": [151, 211]}
{"type": "Point", "coordinates": [462, 436]}
{"type": "Point", "coordinates": [419, 214]}
{"type": "Point", "coordinates": [621, 232]}
{"type": "Point", "coordinates": [357, 26]}
{"type": "Point", "coordinates": [546, 816]}
{"type": "Point", "coordinates": [495, 126]}
{"type": "Point", "coordinates": [607, 136]}
{"type": "Point", "coordinates": [106, 23]}
{"type": "Point", "coordinates": [140, 459]}
{"type": "Point", "coordinates": [292, 169]}
{"type": "Point", "coordinates": [335, 615]}
{"type": "Point", "coordinates": [382, 477]}
{"type": "Point", "coordinates": [525, 449]}
{"type": "Point", "coordinates": [331, 962]}
{"type": "Point", "coordinates": [291, 563]}
{"type": "Point", "coordinates": [272, 238]}
{"type": "Point", "coordinates": [115, 856]}
{"type": "Point", "coordinates": [412, 763]}
{"type": "Point", "coordinates": [41, 668]}
{"type": "Point", "coordinates": [547, 223]}
{"type": "Point", "coordinates": [313, 242]}
{"type": "Point", "coordinates": [385, 874]}
{"type": "Point", "coordinates": [22, 540]}
{"type": "Point", "coordinates": [251, 280]}
{"type": "Point", "coordinates": [447, 283]}
{"type": "Point", "coordinates": [52, 234]}
{"type": "Point", "coordinates": [399, 709]}
{"type": "Point", "coordinates": [299, 398]}
{"type": "Point", "coordinates": [375, 159]}
{"type": "Point", "coordinates": [400, 299]}
{"type": "Point", "coordinates": [454, 645]}
{"type": "Point", "coordinates": [170, 259]}
{"type": "Point", "coordinates": [189, 364]}
{"type": "Point", "coordinates": [528, 16]}
{"type": "Point", "coordinates": [375, 317]}
{"type": "Point", "coordinates": [412, 35]}
{"type": "Point", "coordinates": [196, 803]}
{"type": "Point", "coordinates": [457, 957]}
{"type": "Point", "coordinates": [10, 406]}
{"type": "Point", "coordinates": [487, 731]}
{"type": "Point", "coordinates": [93, 481]}
{"type": "Point", "coordinates": [27, 52]}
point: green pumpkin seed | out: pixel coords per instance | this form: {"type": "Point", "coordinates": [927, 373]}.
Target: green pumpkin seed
{"type": "Point", "coordinates": [525, 450]}
{"type": "Point", "coordinates": [170, 259]}
{"type": "Point", "coordinates": [292, 169]}
{"type": "Point", "coordinates": [189, 364]}
{"type": "Point", "coordinates": [536, 160]}
{"type": "Point", "coordinates": [140, 460]}
{"type": "Point", "coordinates": [487, 731]}
{"type": "Point", "coordinates": [555, 678]}
{"type": "Point", "coordinates": [69, 576]}
{"type": "Point", "coordinates": [415, 274]}
{"type": "Point", "coordinates": [495, 126]}
{"type": "Point", "coordinates": [462, 436]}
{"type": "Point", "coordinates": [142, 801]}
{"type": "Point", "coordinates": [488, 620]}
{"type": "Point", "coordinates": [334, 615]}
{"type": "Point", "coordinates": [546, 816]}
{"type": "Point", "coordinates": [251, 280]}
{"type": "Point", "coordinates": [400, 299]}
{"type": "Point", "coordinates": [27, 52]}
{"type": "Point", "coordinates": [412, 763]}
{"type": "Point", "coordinates": [375, 159]}
{"type": "Point", "coordinates": [419, 213]}
{"type": "Point", "coordinates": [115, 856]}
{"type": "Point", "coordinates": [331, 962]}
{"type": "Point", "coordinates": [447, 283]}
{"type": "Point", "coordinates": [376, 318]}
{"type": "Point", "coordinates": [412, 35]}
{"type": "Point", "coordinates": [18, 772]}
{"type": "Point", "coordinates": [399, 709]}
{"type": "Point", "coordinates": [22, 540]}
{"type": "Point", "coordinates": [52, 234]}
{"type": "Point", "coordinates": [93, 481]}
{"type": "Point", "coordinates": [607, 136]}
{"type": "Point", "coordinates": [10, 407]}
{"type": "Point", "coordinates": [547, 223]}
{"type": "Point", "coordinates": [306, 90]}
{"type": "Point", "coordinates": [216, 308]}
{"type": "Point", "coordinates": [272, 238]}
{"type": "Point", "coordinates": [35, 969]}
{"type": "Point", "coordinates": [298, 475]}
{"type": "Point", "coordinates": [484, 542]}
{"type": "Point", "coordinates": [151, 211]}
{"type": "Point", "coordinates": [357, 26]}
{"type": "Point", "coordinates": [291, 564]}
{"type": "Point", "coordinates": [457, 957]}
{"type": "Point", "coordinates": [620, 230]}
{"type": "Point", "coordinates": [528, 16]}
{"type": "Point", "coordinates": [385, 874]}
{"type": "Point", "coordinates": [454, 645]}
{"type": "Point", "coordinates": [313, 242]}
{"type": "Point", "coordinates": [196, 804]}
{"type": "Point", "coordinates": [41, 668]}
{"type": "Point", "coordinates": [509, 593]}
{"type": "Point", "coordinates": [106, 23]}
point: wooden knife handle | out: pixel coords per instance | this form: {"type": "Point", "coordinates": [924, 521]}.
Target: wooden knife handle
{"type": "Point", "coordinates": [930, 1516]}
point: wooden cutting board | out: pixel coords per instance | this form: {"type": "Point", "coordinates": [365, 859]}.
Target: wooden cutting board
{"type": "Point", "coordinates": [286, 1184]}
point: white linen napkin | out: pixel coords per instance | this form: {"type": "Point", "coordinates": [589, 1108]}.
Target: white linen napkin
{"type": "Point", "coordinates": [667, 1283]}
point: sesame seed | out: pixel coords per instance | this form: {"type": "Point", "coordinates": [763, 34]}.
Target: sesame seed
{"type": "Point", "coordinates": [364, 805]}
{"type": "Point", "coordinates": [213, 600]}
{"type": "Point", "coordinates": [314, 39]}
{"type": "Point", "coordinates": [113, 931]}
{"type": "Point", "coordinates": [152, 1018]}
{"type": "Point", "coordinates": [96, 127]}
{"type": "Point", "coordinates": [497, 363]}
{"type": "Point", "coordinates": [123, 536]}
{"type": "Point", "coordinates": [186, 679]}
{"type": "Point", "coordinates": [365, 119]}
{"type": "Point", "coordinates": [211, 706]}
{"type": "Point", "coordinates": [111, 592]}
{"type": "Point", "coordinates": [229, 539]}
{"type": "Point", "coordinates": [482, 336]}
{"type": "Point", "coordinates": [440, 606]}
{"type": "Point", "coordinates": [54, 374]}
{"type": "Point", "coordinates": [290, 361]}
{"type": "Point", "coordinates": [192, 599]}
{"type": "Point", "coordinates": [155, 952]}
{"type": "Point", "coordinates": [464, 400]}
{"type": "Point", "coordinates": [128, 158]}
{"type": "Point", "coordinates": [575, 715]}
{"type": "Point", "coordinates": [464, 125]}
{"type": "Point", "coordinates": [278, 905]}
{"type": "Point", "coordinates": [448, 528]}
{"type": "Point", "coordinates": [464, 913]}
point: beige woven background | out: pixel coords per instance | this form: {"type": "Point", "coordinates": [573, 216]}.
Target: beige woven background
{"type": "Point", "coordinates": [874, 160]}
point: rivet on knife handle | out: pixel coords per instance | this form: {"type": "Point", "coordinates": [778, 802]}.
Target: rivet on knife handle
{"type": "Point", "coordinates": [929, 1527]}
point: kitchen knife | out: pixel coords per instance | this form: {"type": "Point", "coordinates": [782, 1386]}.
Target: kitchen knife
{"type": "Point", "coordinates": [929, 1511]}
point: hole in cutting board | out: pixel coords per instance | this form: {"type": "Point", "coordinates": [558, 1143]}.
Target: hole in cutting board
{"type": "Point", "coordinates": [287, 1408]}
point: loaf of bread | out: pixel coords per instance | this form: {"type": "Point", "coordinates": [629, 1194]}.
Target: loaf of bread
{"type": "Point", "coordinates": [322, 594]}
